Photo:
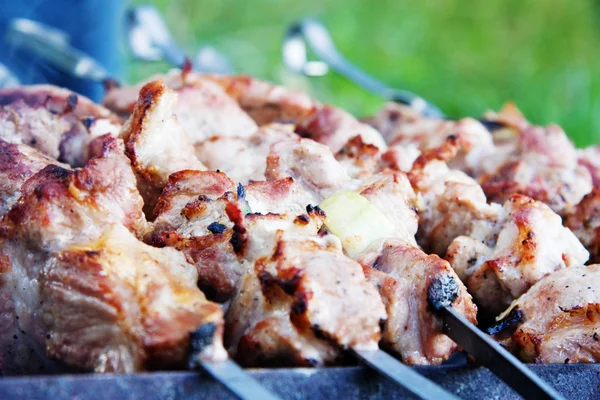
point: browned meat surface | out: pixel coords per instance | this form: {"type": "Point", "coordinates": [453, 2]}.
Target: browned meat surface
{"type": "Point", "coordinates": [359, 158]}
{"type": "Point", "coordinates": [58, 123]}
{"type": "Point", "coordinates": [453, 203]}
{"type": "Point", "coordinates": [243, 159]}
{"type": "Point", "coordinates": [267, 103]}
{"type": "Point", "coordinates": [156, 143]}
{"type": "Point", "coordinates": [404, 127]}
{"type": "Point", "coordinates": [558, 319]}
{"type": "Point", "coordinates": [191, 215]}
{"type": "Point", "coordinates": [516, 158]}
{"type": "Point", "coordinates": [78, 286]}
{"type": "Point", "coordinates": [311, 164]}
{"type": "Point", "coordinates": [264, 101]}
{"type": "Point", "coordinates": [56, 100]}
{"type": "Point", "coordinates": [302, 303]}
{"type": "Point", "coordinates": [18, 163]}
{"type": "Point", "coordinates": [501, 261]}
{"type": "Point", "coordinates": [202, 107]}
{"type": "Point", "coordinates": [403, 280]}
{"type": "Point", "coordinates": [584, 221]}
{"type": "Point", "coordinates": [402, 274]}
{"type": "Point", "coordinates": [278, 196]}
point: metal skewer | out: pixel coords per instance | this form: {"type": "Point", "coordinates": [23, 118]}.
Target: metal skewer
{"type": "Point", "coordinates": [440, 295]}
{"type": "Point", "coordinates": [237, 380]}
{"type": "Point", "coordinates": [313, 33]}
{"type": "Point", "coordinates": [149, 39]}
{"type": "Point", "coordinates": [402, 374]}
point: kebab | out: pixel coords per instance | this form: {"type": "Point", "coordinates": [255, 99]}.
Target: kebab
{"type": "Point", "coordinates": [264, 325]}
{"type": "Point", "coordinates": [78, 284]}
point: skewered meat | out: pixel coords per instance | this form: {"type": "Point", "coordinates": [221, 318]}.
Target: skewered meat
{"type": "Point", "coordinates": [267, 103]}
{"type": "Point", "coordinates": [298, 273]}
{"type": "Point", "coordinates": [18, 163]}
{"type": "Point", "coordinates": [78, 286]}
{"type": "Point", "coordinates": [500, 262]}
{"type": "Point", "coordinates": [156, 143]}
{"type": "Point", "coordinates": [278, 196]}
{"type": "Point", "coordinates": [394, 264]}
{"type": "Point", "coordinates": [191, 216]}
{"type": "Point", "coordinates": [243, 159]}
{"type": "Point", "coordinates": [584, 222]}
{"type": "Point", "coordinates": [557, 320]}
{"type": "Point", "coordinates": [154, 306]}
{"type": "Point", "coordinates": [453, 203]}
{"type": "Point", "coordinates": [202, 108]}
{"type": "Point", "coordinates": [517, 158]}
{"type": "Point", "coordinates": [310, 164]}
{"type": "Point", "coordinates": [403, 273]}
{"type": "Point", "coordinates": [56, 122]}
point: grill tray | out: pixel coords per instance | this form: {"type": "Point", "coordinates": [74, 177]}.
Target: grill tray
{"type": "Point", "coordinates": [574, 381]}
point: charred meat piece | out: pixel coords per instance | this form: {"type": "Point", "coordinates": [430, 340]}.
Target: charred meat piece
{"type": "Point", "coordinates": [453, 203]}
{"type": "Point", "coordinates": [79, 287]}
{"type": "Point", "coordinates": [558, 319]}
{"type": "Point", "coordinates": [307, 303]}
{"type": "Point", "coordinates": [500, 262]}
{"type": "Point", "coordinates": [156, 143]}
{"type": "Point", "coordinates": [59, 206]}
{"type": "Point", "coordinates": [191, 215]}
{"type": "Point", "coordinates": [278, 196]}
{"type": "Point", "coordinates": [112, 305]}
{"type": "Point", "coordinates": [517, 158]}
{"type": "Point", "coordinates": [403, 275]}
{"type": "Point", "coordinates": [264, 101]}
{"type": "Point", "coordinates": [202, 107]}
{"type": "Point", "coordinates": [359, 158]}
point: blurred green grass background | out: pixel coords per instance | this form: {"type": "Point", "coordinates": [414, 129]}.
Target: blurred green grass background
{"type": "Point", "coordinates": [466, 56]}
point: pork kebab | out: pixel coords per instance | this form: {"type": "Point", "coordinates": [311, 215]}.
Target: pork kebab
{"type": "Point", "coordinates": [188, 212]}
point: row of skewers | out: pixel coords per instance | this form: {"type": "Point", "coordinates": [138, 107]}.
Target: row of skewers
{"type": "Point", "coordinates": [331, 244]}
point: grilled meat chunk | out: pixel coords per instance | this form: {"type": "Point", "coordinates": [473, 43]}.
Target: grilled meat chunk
{"type": "Point", "coordinates": [584, 222]}
{"type": "Point", "coordinates": [303, 302]}
{"type": "Point", "coordinates": [156, 143]}
{"type": "Point", "coordinates": [202, 107]}
{"type": "Point", "coordinates": [278, 196]}
{"type": "Point", "coordinates": [111, 305]}
{"type": "Point", "coordinates": [60, 206]}
{"type": "Point", "coordinates": [243, 159]}
{"type": "Point", "coordinates": [267, 103]}
{"type": "Point", "coordinates": [516, 158]}
{"type": "Point", "coordinates": [18, 163]}
{"type": "Point", "coordinates": [403, 273]}
{"type": "Point", "coordinates": [394, 265]}
{"type": "Point", "coordinates": [501, 261]}
{"type": "Point", "coordinates": [264, 101]}
{"type": "Point", "coordinates": [558, 319]}
{"type": "Point", "coordinates": [60, 250]}
{"type": "Point", "coordinates": [311, 164]}
{"type": "Point", "coordinates": [56, 122]}
{"type": "Point", "coordinates": [453, 203]}
{"type": "Point", "coordinates": [191, 215]}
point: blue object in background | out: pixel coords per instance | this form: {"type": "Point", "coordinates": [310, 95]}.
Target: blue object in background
{"type": "Point", "coordinates": [94, 27]}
